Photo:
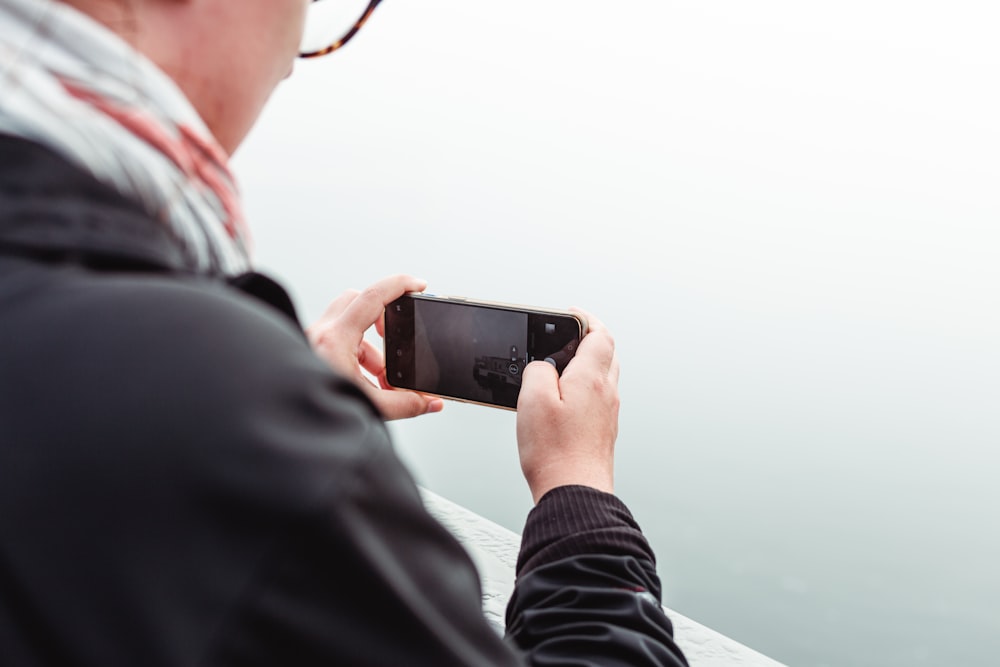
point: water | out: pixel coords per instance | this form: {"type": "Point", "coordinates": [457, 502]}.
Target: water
{"type": "Point", "coordinates": [787, 216]}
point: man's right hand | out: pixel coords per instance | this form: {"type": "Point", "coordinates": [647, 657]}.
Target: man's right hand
{"type": "Point", "coordinates": [567, 426]}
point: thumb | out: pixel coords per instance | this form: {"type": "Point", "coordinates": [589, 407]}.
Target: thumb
{"type": "Point", "coordinates": [401, 404]}
{"type": "Point", "coordinates": [539, 384]}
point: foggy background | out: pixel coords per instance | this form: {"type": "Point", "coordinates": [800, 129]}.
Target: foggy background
{"type": "Point", "coordinates": [787, 214]}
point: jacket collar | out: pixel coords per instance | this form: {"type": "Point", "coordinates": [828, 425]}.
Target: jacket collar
{"type": "Point", "coordinates": [51, 208]}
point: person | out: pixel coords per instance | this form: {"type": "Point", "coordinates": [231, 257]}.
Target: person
{"type": "Point", "coordinates": [189, 477]}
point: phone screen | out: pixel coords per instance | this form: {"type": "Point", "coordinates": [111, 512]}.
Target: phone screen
{"type": "Point", "coordinates": [472, 351]}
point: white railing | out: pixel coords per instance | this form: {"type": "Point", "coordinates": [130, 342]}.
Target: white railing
{"type": "Point", "coordinates": [494, 550]}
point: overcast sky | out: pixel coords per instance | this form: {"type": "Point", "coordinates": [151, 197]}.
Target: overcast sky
{"type": "Point", "coordinates": [845, 154]}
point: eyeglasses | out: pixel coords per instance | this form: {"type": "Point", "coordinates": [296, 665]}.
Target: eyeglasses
{"type": "Point", "coordinates": [332, 23]}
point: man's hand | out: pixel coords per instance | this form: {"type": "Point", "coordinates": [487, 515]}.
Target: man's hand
{"type": "Point", "coordinates": [338, 337]}
{"type": "Point", "coordinates": [567, 426]}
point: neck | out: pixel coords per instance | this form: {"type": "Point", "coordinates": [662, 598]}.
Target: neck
{"type": "Point", "coordinates": [119, 16]}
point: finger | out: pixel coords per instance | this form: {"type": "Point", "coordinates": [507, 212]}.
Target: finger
{"type": "Point", "coordinates": [368, 307]}
{"type": "Point", "coordinates": [595, 355]}
{"type": "Point", "coordinates": [539, 384]}
{"type": "Point", "coordinates": [338, 305]}
{"type": "Point", "coordinates": [321, 328]}
{"type": "Point", "coordinates": [593, 324]}
{"type": "Point", "coordinates": [374, 363]}
{"type": "Point", "coordinates": [371, 359]}
{"type": "Point", "coordinates": [403, 404]}
{"type": "Point", "coordinates": [596, 326]}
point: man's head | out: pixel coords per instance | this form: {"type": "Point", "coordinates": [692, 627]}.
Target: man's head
{"type": "Point", "coordinates": [227, 56]}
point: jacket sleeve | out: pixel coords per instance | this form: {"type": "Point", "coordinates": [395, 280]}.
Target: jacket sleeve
{"type": "Point", "coordinates": [587, 592]}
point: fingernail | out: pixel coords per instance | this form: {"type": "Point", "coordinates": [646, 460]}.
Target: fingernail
{"type": "Point", "coordinates": [437, 405]}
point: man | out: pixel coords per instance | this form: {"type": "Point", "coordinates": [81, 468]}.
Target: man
{"type": "Point", "coordinates": [183, 478]}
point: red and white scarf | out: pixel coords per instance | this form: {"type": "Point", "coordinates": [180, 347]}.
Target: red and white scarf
{"type": "Point", "coordinates": [69, 83]}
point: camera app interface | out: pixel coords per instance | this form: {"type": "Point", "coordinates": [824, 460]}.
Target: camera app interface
{"type": "Point", "coordinates": [471, 352]}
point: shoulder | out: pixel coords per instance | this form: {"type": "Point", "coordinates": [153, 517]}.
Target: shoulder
{"type": "Point", "coordinates": [166, 372]}
{"type": "Point", "coordinates": [163, 438]}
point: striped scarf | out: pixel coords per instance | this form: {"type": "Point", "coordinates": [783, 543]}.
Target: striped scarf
{"type": "Point", "coordinates": [72, 85]}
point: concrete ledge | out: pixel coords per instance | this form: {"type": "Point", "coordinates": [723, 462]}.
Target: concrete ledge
{"type": "Point", "coordinates": [494, 550]}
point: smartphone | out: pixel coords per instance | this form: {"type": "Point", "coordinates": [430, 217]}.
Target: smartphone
{"type": "Point", "coordinates": [473, 351]}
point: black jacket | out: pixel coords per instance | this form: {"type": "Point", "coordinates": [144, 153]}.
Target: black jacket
{"type": "Point", "coordinates": [183, 482]}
